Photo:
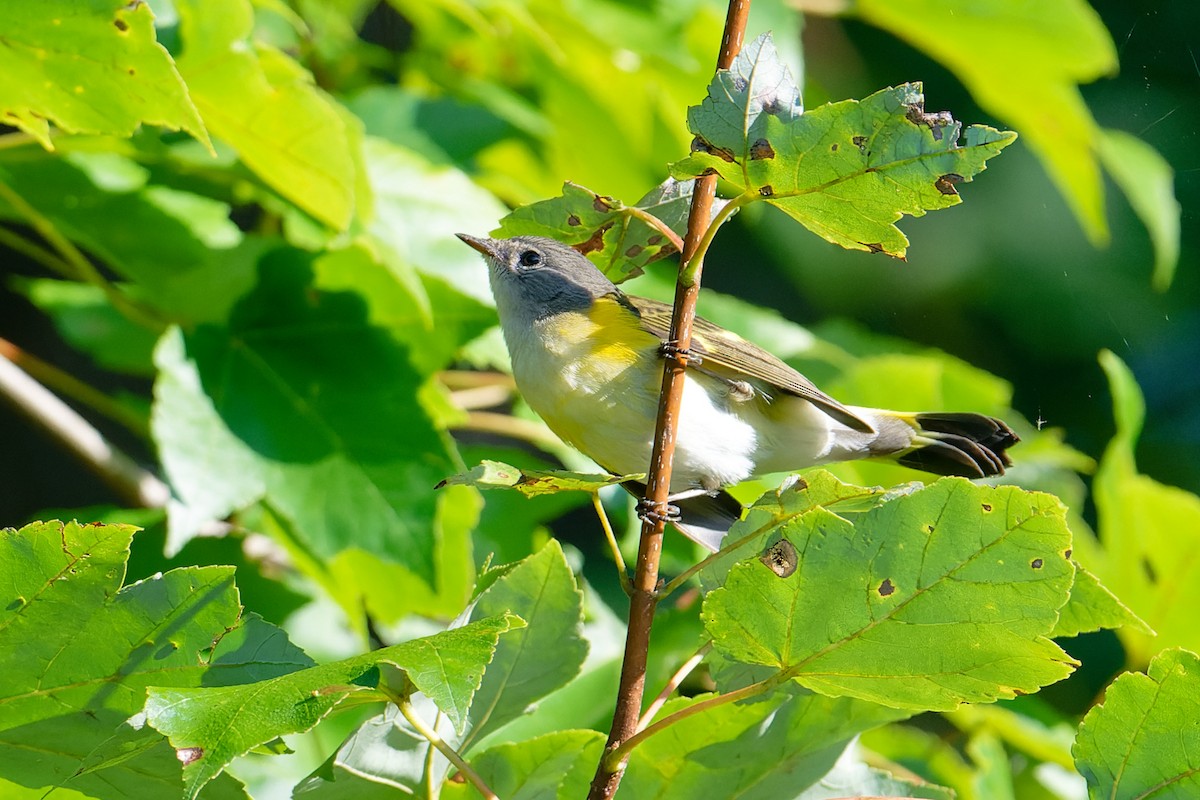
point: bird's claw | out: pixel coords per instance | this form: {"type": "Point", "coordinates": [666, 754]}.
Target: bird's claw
{"type": "Point", "coordinates": [684, 356]}
{"type": "Point", "coordinates": [650, 511]}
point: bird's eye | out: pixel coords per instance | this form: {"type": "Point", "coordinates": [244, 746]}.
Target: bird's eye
{"type": "Point", "coordinates": [530, 258]}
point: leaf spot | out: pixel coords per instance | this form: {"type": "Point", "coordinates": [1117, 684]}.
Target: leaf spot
{"type": "Point", "coordinates": [633, 251]}
{"type": "Point", "coordinates": [574, 221]}
{"type": "Point", "coordinates": [761, 149]}
{"type": "Point", "coordinates": [861, 143]}
{"type": "Point", "coordinates": [987, 507]}
{"type": "Point", "coordinates": [874, 247]}
{"type": "Point", "coordinates": [833, 148]}
{"type": "Point", "coordinates": [887, 587]}
{"type": "Point", "coordinates": [781, 558]}
{"type": "Point", "coordinates": [654, 240]}
{"type": "Point", "coordinates": [945, 183]}
{"type": "Point", "coordinates": [602, 204]}
{"type": "Point", "coordinates": [594, 243]}
{"type": "Point", "coordinates": [189, 755]}
{"type": "Point", "coordinates": [700, 145]}
{"type": "Point", "coordinates": [1067, 553]}
{"type": "Point", "coordinates": [767, 191]}
{"type": "Point", "coordinates": [121, 24]}
{"type": "Point", "coordinates": [927, 528]}
{"type": "Point", "coordinates": [740, 84]}
{"type": "Point", "coordinates": [1036, 563]}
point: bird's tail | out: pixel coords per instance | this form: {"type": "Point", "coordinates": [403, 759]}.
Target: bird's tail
{"type": "Point", "coordinates": [945, 443]}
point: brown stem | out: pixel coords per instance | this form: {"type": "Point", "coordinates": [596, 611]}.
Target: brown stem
{"type": "Point", "coordinates": [645, 578]}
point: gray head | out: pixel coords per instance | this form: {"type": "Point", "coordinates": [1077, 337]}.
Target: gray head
{"type": "Point", "coordinates": [534, 277]}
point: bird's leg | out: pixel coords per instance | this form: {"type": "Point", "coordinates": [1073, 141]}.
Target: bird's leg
{"type": "Point", "coordinates": [682, 356]}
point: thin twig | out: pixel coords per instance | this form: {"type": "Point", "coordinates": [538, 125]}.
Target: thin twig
{"type": "Point", "coordinates": [68, 385]}
{"type": "Point", "coordinates": [118, 470]}
{"type": "Point", "coordinates": [35, 252]}
{"type": "Point", "coordinates": [645, 581]}
{"type": "Point", "coordinates": [622, 572]}
{"type": "Point", "coordinates": [615, 759]}
{"type": "Point", "coordinates": [673, 684]}
{"type": "Point", "coordinates": [507, 425]}
{"type": "Point", "coordinates": [449, 752]}
{"type": "Point", "coordinates": [656, 223]}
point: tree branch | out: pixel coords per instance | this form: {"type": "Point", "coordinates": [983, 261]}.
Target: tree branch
{"type": "Point", "coordinates": [645, 580]}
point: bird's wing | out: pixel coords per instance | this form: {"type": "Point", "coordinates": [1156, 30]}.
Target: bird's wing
{"type": "Point", "coordinates": [730, 356]}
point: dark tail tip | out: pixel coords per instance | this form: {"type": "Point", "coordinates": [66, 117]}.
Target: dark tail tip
{"type": "Point", "coordinates": [970, 445]}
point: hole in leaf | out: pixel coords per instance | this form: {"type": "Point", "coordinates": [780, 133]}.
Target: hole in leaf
{"type": "Point", "coordinates": [761, 149]}
{"type": "Point", "coordinates": [945, 183]}
{"type": "Point", "coordinates": [781, 558]}
{"type": "Point", "coordinates": [189, 755]}
{"type": "Point", "coordinates": [860, 142]}
{"type": "Point", "coordinates": [767, 190]}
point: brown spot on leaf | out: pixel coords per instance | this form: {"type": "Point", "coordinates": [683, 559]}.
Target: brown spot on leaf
{"type": "Point", "coordinates": [634, 251]}
{"type": "Point", "coordinates": [1067, 553]}
{"type": "Point", "coordinates": [121, 24]}
{"type": "Point", "coordinates": [767, 191]}
{"type": "Point", "coordinates": [887, 587]}
{"type": "Point", "coordinates": [987, 507]}
{"type": "Point", "coordinates": [781, 558]}
{"type": "Point", "coordinates": [945, 183]}
{"type": "Point", "coordinates": [927, 528]}
{"type": "Point", "coordinates": [860, 142]}
{"type": "Point", "coordinates": [761, 149]}
{"type": "Point", "coordinates": [700, 145]}
{"type": "Point", "coordinates": [874, 247]}
{"type": "Point", "coordinates": [1036, 563]}
{"type": "Point", "coordinates": [574, 221]}
{"type": "Point", "coordinates": [654, 240]}
{"type": "Point", "coordinates": [594, 242]}
{"type": "Point", "coordinates": [603, 204]}
{"type": "Point", "coordinates": [189, 755]}
{"type": "Point", "coordinates": [833, 148]}
{"type": "Point", "coordinates": [740, 84]}
{"type": "Point", "coordinates": [1148, 568]}
{"type": "Point", "coordinates": [917, 115]}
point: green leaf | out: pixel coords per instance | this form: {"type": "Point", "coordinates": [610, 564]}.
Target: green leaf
{"type": "Point", "coordinates": [766, 749]}
{"type": "Point", "coordinates": [532, 482]}
{"type": "Point", "coordinates": [1144, 526]}
{"type": "Point", "coordinates": [1022, 63]}
{"type": "Point", "coordinates": [853, 779]}
{"type": "Point", "coordinates": [847, 171]}
{"type": "Point", "coordinates": [383, 755]}
{"type": "Point", "coordinates": [535, 661]}
{"type": "Point", "coordinates": [302, 401]}
{"type": "Point", "coordinates": [88, 322]}
{"type": "Point", "coordinates": [89, 68]}
{"type": "Point", "coordinates": [557, 765]}
{"type": "Point", "coordinates": [1093, 607]}
{"type": "Point", "coordinates": [940, 597]}
{"type": "Point", "coordinates": [604, 229]}
{"type": "Point", "coordinates": [209, 727]}
{"type": "Point", "coordinates": [1149, 184]}
{"type": "Point", "coordinates": [266, 107]}
{"type": "Point", "coordinates": [1144, 739]}
{"type": "Point", "coordinates": [78, 650]}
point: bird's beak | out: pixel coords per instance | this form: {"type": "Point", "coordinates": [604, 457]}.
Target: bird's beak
{"type": "Point", "coordinates": [485, 246]}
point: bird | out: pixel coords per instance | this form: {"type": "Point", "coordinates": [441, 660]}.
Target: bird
{"type": "Point", "coordinates": [589, 359]}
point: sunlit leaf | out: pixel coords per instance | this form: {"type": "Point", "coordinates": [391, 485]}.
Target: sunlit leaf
{"type": "Point", "coordinates": [944, 596]}
{"type": "Point", "coordinates": [1144, 739]}
{"type": "Point", "coordinates": [532, 482]}
{"type": "Point", "coordinates": [88, 68]}
{"type": "Point", "coordinates": [209, 727]}
{"type": "Point", "coordinates": [847, 171]}
{"type": "Point", "coordinates": [557, 765]}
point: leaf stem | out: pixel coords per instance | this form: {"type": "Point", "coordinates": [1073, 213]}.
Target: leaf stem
{"type": "Point", "coordinates": [644, 598]}
{"type": "Point", "coordinates": [445, 749]}
{"type": "Point", "coordinates": [656, 223]}
{"type": "Point", "coordinates": [622, 571]}
{"type": "Point", "coordinates": [673, 684]}
{"type": "Point", "coordinates": [34, 252]}
{"type": "Point", "coordinates": [687, 574]}
{"type": "Point", "coordinates": [690, 275]}
{"type": "Point", "coordinates": [616, 758]}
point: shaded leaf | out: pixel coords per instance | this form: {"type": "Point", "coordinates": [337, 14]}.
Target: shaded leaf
{"type": "Point", "coordinates": [767, 749]}
{"type": "Point", "coordinates": [89, 68]}
{"type": "Point", "coordinates": [1144, 739]}
{"type": "Point", "coordinates": [532, 482]}
{"type": "Point", "coordinates": [937, 598]}
{"type": "Point", "coordinates": [556, 765]}
{"type": "Point", "coordinates": [1017, 61]}
{"type": "Point", "coordinates": [1149, 184]}
{"type": "Point", "coordinates": [1150, 533]}
{"type": "Point", "coordinates": [212, 726]}
{"type": "Point", "coordinates": [301, 400]}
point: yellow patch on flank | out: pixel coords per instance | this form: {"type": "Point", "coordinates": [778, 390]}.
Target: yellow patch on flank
{"type": "Point", "coordinates": [616, 337]}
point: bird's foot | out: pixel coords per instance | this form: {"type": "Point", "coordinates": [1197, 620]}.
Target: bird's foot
{"type": "Point", "coordinates": [650, 511]}
{"type": "Point", "coordinates": [683, 356]}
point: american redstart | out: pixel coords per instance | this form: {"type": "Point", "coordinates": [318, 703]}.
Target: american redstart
{"type": "Point", "coordinates": [588, 358]}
